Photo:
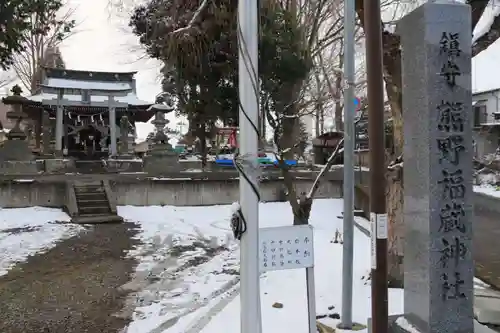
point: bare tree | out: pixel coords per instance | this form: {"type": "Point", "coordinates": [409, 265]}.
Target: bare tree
{"type": "Point", "coordinates": [42, 50]}
{"type": "Point", "coordinates": [329, 71]}
{"type": "Point", "coordinates": [6, 78]}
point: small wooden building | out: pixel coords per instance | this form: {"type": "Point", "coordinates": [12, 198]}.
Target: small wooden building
{"type": "Point", "coordinates": [324, 145]}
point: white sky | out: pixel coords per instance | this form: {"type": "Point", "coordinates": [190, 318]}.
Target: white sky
{"type": "Point", "coordinates": [103, 42]}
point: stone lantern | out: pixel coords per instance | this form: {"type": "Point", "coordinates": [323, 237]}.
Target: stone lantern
{"type": "Point", "coordinates": [161, 157]}
{"type": "Point", "coordinates": [16, 148]}
{"type": "Point", "coordinates": [16, 115]}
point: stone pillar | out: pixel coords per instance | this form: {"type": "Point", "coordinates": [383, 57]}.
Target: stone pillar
{"type": "Point", "coordinates": [46, 132]}
{"type": "Point", "coordinates": [437, 102]}
{"type": "Point", "coordinates": [38, 132]}
{"type": "Point", "coordinates": [112, 126]}
{"type": "Point", "coordinates": [59, 128]}
{"type": "Point", "coordinates": [124, 130]}
{"type": "Point", "coordinates": [65, 135]}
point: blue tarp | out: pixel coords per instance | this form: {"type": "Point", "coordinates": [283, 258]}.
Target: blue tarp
{"type": "Point", "coordinates": [231, 162]}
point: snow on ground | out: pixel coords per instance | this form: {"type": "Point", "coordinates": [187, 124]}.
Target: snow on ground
{"type": "Point", "coordinates": [187, 279]}
{"type": "Point", "coordinates": [488, 189]}
{"type": "Point", "coordinates": [204, 298]}
{"type": "Point", "coordinates": [26, 231]}
{"type": "Point", "coordinates": [186, 259]}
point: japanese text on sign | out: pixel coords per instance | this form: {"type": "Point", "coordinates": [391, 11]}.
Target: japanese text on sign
{"type": "Point", "coordinates": [450, 145]}
{"type": "Point", "coordinates": [286, 248]}
{"type": "Point", "coordinates": [450, 47]}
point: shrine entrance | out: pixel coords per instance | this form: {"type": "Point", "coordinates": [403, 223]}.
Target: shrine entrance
{"type": "Point", "coordinates": [88, 143]}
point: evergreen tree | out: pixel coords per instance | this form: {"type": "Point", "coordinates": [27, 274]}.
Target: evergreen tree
{"type": "Point", "coordinates": [303, 139]}
{"type": "Point", "coordinates": [20, 17]}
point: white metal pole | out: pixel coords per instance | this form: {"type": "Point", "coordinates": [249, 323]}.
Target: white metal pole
{"type": "Point", "coordinates": [311, 299]}
{"type": "Point", "coordinates": [249, 196]}
{"type": "Point", "coordinates": [349, 110]}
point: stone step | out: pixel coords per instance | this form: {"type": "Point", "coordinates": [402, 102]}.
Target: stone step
{"type": "Point", "coordinates": [93, 210]}
{"type": "Point", "coordinates": [90, 188]}
{"type": "Point", "coordinates": [97, 219]}
{"type": "Point", "coordinates": [93, 203]}
{"type": "Point", "coordinates": [91, 197]}
{"type": "Point", "coordinates": [89, 193]}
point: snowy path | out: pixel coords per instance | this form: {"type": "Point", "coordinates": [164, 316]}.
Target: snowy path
{"type": "Point", "coordinates": [185, 261]}
{"type": "Point", "coordinates": [173, 297]}
{"type": "Point", "coordinates": [27, 231]}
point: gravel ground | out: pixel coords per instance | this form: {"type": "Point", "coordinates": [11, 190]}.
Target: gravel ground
{"type": "Point", "coordinates": [72, 288]}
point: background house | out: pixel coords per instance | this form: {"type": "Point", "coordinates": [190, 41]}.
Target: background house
{"type": "Point", "coordinates": [486, 122]}
{"type": "Point", "coordinates": [486, 101]}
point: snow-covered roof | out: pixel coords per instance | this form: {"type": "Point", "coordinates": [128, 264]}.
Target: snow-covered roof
{"type": "Point", "coordinates": [131, 98]}
{"type": "Point", "coordinates": [485, 69]}
{"type": "Point", "coordinates": [86, 85]}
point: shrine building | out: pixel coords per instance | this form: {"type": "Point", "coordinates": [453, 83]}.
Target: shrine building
{"type": "Point", "coordinates": [81, 110]}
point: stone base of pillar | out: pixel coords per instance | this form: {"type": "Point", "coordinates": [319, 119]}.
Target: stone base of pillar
{"type": "Point", "coordinates": [16, 150]}
{"type": "Point", "coordinates": [21, 167]}
{"type": "Point", "coordinates": [59, 165]}
{"type": "Point", "coordinates": [120, 164]}
{"type": "Point", "coordinates": [164, 162]}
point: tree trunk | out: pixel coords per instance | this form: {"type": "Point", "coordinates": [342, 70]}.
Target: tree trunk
{"type": "Point", "coordinates": [262, 126]}
{"type": "Point", "coordinates": [203, 145]}
{"type": "Point", "coordinates": [322, 123]}
{"type": "Point", "coordinates": [302, 217]}
{"type": "Point", "coordinates": [317, 117]}
{"type": "Point", "coordinates": [395, 198]}
{"type": "Point", "coordinates": [286, 106]}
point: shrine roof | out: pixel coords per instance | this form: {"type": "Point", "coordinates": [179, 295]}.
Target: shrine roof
{"type": "Point", "coordinates": [62, 78]}
{"type": "Point", "coordinates": [87, 85]}
{"type": "Point", "coordinates": [72, 74]}
{"type": "Point", "coordinates": [131, 99]}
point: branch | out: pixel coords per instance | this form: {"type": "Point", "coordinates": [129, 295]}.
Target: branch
{"type": "Point", "coordinates": [489, 35]}
{"type": "Point", "coordinates": [194, 19]}
{"type": "Point", "coordinates": [5, 79]}
{"type": "Point", "coordinates": [323, 171]}
{"type": "Point", "coordinates": [329, 163]}
{"type": "Point", "coordinates": [477, 10]}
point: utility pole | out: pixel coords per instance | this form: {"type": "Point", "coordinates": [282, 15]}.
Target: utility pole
{"type": "Point", "coordinates": [248, 42]}
{"type": "Point", "coordinates": [349, 110]}
{"type": "Point", "coordinates": [378, 215]}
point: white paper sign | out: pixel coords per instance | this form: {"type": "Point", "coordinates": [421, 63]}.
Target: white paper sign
{"type": "Point", "coordinates": [373, 239]}
{"type": "Point", "coordinates": [286, 248]}
{"type": "Point", "coordinates": [382, 227]}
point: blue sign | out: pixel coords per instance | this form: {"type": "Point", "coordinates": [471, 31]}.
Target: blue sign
{"type": "Point", "coordinates": [357, 103]}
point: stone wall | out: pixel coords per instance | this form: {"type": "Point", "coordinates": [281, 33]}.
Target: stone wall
{"type": "Point", "coordinates": [145, 192]}
{"type": "Point", "coordinates": [26, 193]}
{"type": "Point", "coordinates": [205, 192]}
